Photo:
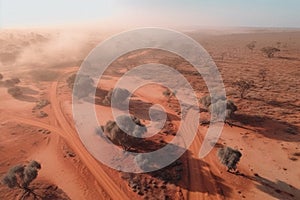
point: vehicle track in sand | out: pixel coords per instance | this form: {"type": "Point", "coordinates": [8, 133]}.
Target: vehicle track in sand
{"type": "Point", "coordinates": [72, 138]}
{"type": "Point", "coordinates": [67, 132]}
{"type": "Point", "coordinates": [201, 181]}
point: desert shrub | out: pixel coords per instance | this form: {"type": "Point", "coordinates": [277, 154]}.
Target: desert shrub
{"type": "Point", "coordinates": [167, 93]}
{"type": "Point", "coordinates": [84, 86]}
{"type": "Point", "coordinates": [1, 77]}
{"type": "Point", "coordinates": [262, 74]}
{"type": "Point", "coordinates": [218, 108]}
{"type": "Point", "coordinates": [71, 80]}
{"type": "Point", "coordinates": [21, 176]}
{"type": "Point", "coordinates": [119, 134]}
{"type": "Point", "coordinates": [206, 101]}
{"type": "Point", "coordinates": [15, 91]}
{"type": "Point", "coordinates": [41, 104]}
{"type": "Point", "coordinates": [229, 157]}
{"type": "Point", "coordinates": [243, 87]}
{"type": "Point", "coordinates": [230, 108]}
{"type": "Point", "coordinates": [251, 45]}
{"type": "Point", "coordinates": [11, 82]}
{"type": "Point", "coordinates": [120, 96]}
{"type": "Point", "coordinates": [143, 162]}
{"type": "Point", "coordinates": [15, 80]}
{"type": "Point", "coordinates": [216, 104]}
{"type": "Point", "coordinates": [269, 51]}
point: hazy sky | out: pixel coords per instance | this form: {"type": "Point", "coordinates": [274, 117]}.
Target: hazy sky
{"type": "Point", "coordinates": [261, 13]}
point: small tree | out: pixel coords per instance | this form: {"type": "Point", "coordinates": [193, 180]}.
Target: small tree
{"type": "Point", "coordinates": [270, 51]}
{"type": "Point", "coordinates": [230, 108]}
{"type": "Point", "coordinates": [217, 105]}
{"type": "Point", "coordinates": [84, 85]}
{"type": "Point", "coordinates": [120, 134]}
{"type": "Point", "coordinates": [243, 87]}
{"type": "Point", "coordinates": [21, 176]}
{"type": "Point", "coordinates": [120, 96]}
{"type": "Point", "coordinates": [229, 157]}
{"type": "Point", "coordinates": [221, 106]}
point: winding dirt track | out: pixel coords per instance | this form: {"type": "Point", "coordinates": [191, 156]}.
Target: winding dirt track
{"type": "Point", "coordinates": [201, 181]}
{"type": "Point", "coordinates": [202, 184]}
{"type": "Point", "coordinates": [200, 176]}
{"type": "Point", "coordinates": [65, 130]}
{"type": "Point", "coordinates": [72, 138]}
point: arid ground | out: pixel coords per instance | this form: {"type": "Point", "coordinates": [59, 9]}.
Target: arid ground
{"type": "Point", "coordinates": [36, 121]}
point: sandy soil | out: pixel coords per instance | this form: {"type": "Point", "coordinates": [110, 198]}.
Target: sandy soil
{"type": "Point", "coordinates": [266, 132]}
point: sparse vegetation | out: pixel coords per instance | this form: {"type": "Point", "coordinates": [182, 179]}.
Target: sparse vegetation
{"type": "Point", "coordinates": [217, 104]}
{"type": "Point", "coordinates": [21, 176]}
{"type": "Point", "coordinates": [169, 94]}
{"type": "Point", "coordinates": [243, 87]}
{"type": "Point", "coordinates": [251, 45]}
{"type": "Point", "coordinates": [119, 135]}
{"type": "Point", "coordinates": [41, 104]}
{"type": "Point", "coordinates": [262, 74]}
{"type": "Point", "coordinates": [270, 51]}
{"type": "Point", "coordinates": [15, 80]}
{"type": "Point", "coordinates": [84, 85]}
{"type": "Point", "coordinates": [120, 96]}
{"type": "Point", "coordinates": [15, 91]}
{"type": "Point", "coordinates": [71, 80]}
{"type": "Point", "coordinates": [229, 157]}
{"type": "Point", "coordinates": [11, 82]}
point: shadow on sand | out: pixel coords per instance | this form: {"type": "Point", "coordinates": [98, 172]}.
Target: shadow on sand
{"type": "Point", "coordinates": [278, 189]}
{"type": "Point", "coordinates": [266, 126]}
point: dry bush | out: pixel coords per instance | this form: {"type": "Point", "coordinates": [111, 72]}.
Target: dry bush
{"type": "Point", "coordinates": [71, 81]}
{"type": "Point", "coordinates": [21, 176]}
{"type": "Point", "coordinates": [262, 74]}
{"type": "Point", "coordinates": [270, 51]}
{"type": "Point", "coordinates": [216, 104]}
{"type": "Point", "coordinates": [120, 96]}
{"type": "Point", "coordinates": [251, 45]}
{"type": "Point", "coordinates": [229, 157]}
{"type": "Point", "coordinates": [206, 101]}
{"type": "Point", "coordinates": [83, 83]}
{"type": "Point", "coordinates": [1, 77]}
{"type": "Point", "coordinates": [41, 104]}
{"type": "Point", "coordinates": [15, 91]}
{"type": "Point", "coordinates": [119, 134]}
{"type": "Point", "coordinates": [11, 82]}
{"type": "Point", "coordinates": [243, 87]}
